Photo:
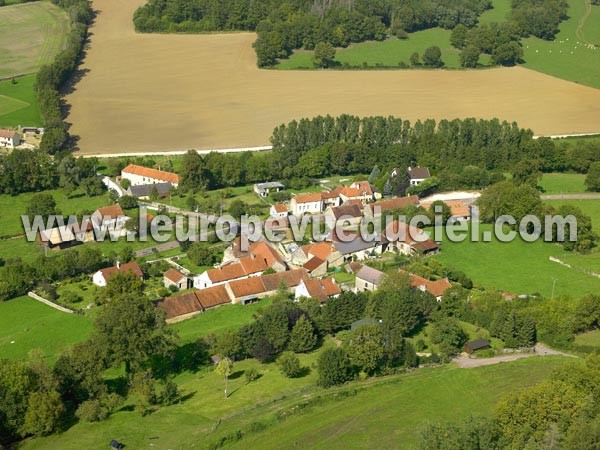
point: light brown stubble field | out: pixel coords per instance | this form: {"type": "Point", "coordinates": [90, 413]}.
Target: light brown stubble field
{"type": "Point", "coordinates": [153, 92]}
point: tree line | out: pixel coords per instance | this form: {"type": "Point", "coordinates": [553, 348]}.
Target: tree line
{"type": "Point", "coordinates": [283, 26]}
{"type": "Point", "coordinates": [52, 77]}
{"type": "Point", "coordinates": [35, 170]}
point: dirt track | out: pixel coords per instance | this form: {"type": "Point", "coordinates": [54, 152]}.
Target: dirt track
{"type": "Point", "coordinates": [145, 93]}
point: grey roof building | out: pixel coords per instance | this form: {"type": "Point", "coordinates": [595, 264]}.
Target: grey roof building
{"type": "Point", "coordinates": [144, 190]}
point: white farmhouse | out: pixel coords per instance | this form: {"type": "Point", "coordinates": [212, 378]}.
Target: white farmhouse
{"type": "Point", "coordinates": [9, 138]}
{"type": "Point", "coordinates": [306, 204]}
{"type": "Point", "coordinates": [140, 175]}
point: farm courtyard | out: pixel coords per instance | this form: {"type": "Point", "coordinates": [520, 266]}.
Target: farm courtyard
{"type": "Point", "coordinates": [153, 92]}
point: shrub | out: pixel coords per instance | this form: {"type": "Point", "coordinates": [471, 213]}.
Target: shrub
{"type": "Point", "coordinates": [252, 375]}
{"type": "Point", "coordinates": [289, 364]}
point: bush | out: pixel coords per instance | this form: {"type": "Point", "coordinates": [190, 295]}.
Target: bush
{"type": "Point", "coordinates": [289, 364]}
{"type": "Point", "coordinates": [128, 202]}
{"type": "Point", "coordinates": [252, 375]}
{"type": "Point", "coordinates": [70, 297]}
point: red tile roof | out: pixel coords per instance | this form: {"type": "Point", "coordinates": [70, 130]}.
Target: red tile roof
{"type": "Point", "coordinates": [313, 263]}
{"type": "Point", "coordinates": [395, 203]}
{"type": "Point", "coordinates": [425, 246]}
{"type": "Point", "coordinates": [174, 275]}
{"type": "Point", "coordinates": [436, 288]}
{"type": "Point", "coordinates": [180, 305]}
{"type": "Point", "coordinates": [247, 287]}
{"type": "Point", "coordinates": [363, 187]}
{"type": "Point", "coordinates": [213, 296]}
{"type": "Point", "coordinates": [457, 208]}
{"type": "Point", "coordinates": [351, 192]}
{"type": "Point", "coordinates": [291, 278]}
{"type": "Point", "coordinates": [398, 231]}
{"type": "Point", "coordinates": [253, 264]}
{"type": "Point", "coordinates": [123, 268]}
{"type": "Point", "coordinates": [322, 289]}
{"type": "Point", "coordinates": [308, 198]}
{"type": "Point", "coordinates": [151, 173]}
{"type": "Point", "coordinates": [334, 193]}
{"type": "Point", "coordinates": [9, 134]}
{"type": "Point", "coordinates": [280, 208]}
{"type": "Point", "coordinates": [346, 210]}
{"type": "Point", "coordinates": [112, 211]}
{"type": "Point", "coordinates": [321, 250]}
{"type": "Point", "coordinates": [266, 252]}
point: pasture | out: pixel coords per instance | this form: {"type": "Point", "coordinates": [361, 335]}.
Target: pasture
{"type": "Point", "coordinates": [589, 207]}
{"type": "Point", "coordinates": [388, 53]}
{"type": "Point", "coordinates": [563, 183]}
{"type": "Point", "coordinates": [31, 35]}
{"type": "Point", "coordinates": [130, 98]}
{"type": "Point", "coordinates": [26, 324]}
{"type": "Point", "coordinates": [388, 410]}
{"type": "Point", "coordinates": [572, 55]}
{"type": "Point", "coordinates": [18, 105]}
{"type": "Point", "coordinates": [522, 268]}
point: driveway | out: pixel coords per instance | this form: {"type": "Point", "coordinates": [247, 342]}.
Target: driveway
{"type": "Point", "coordinates": [465, 362]}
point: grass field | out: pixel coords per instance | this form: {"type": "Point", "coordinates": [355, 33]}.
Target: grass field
{"type": "Point", "coordinates": [499, 12]}
{"type": "Point", "coordinates": [14, 206]}
{"type": "Point", "coordinates": [31, 34]}
{"type": "Point", "coordinates": [26, 324]}
{"type": "Point", "coordinates": [522, 268]}
{"type": "Point", "coordinates": [238, 105]}
{"type": "Point", "coordinates": [388, 410]}
{"type": "Point", "coordinates": [591, 339]}
{"type": "Point", "coordinates": [18, 105]}
{"type": "Point", "coordinates": [589, 207]}
{"type": "Point", "coordinates": [569, 55]}
{"type": "Point", "coordinates": [563, 183]}
{"type": "Point", "coordinates": [387, 53]}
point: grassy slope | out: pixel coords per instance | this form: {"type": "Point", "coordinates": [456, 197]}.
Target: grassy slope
{"type": "Point", "coordinates": [18, 105]}
{"type": "Point", "coordinates": [227, 317]}
{"type": "Point", "coordinates": [581, 66]}
{"type": "Point", "coordinates": [391, 414]}
{"type": "Point", "coordinates": [563, 183]}
{"type": "Point", "coordinates": [31, 34]}
{"type": "Point", "coordinates": [10, 223]}
{"type": "Point", "coordinates": [521, 268]}
{"type": "Point", "coordinates": [591, 339]}
{"type": "Point", "coordinates": [31, 324]}
{"type": "Point", "coordinates": [391, 410]}
{"type": "Point", "coordinates": [589, 207]}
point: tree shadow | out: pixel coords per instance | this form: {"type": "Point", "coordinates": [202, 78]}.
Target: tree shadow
{"type": "Point", "coordinates": [236, 375]}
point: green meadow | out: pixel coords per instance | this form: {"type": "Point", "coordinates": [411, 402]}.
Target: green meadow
{"type": "Point", "coordinates": [388, 53]}
{"type": "Point", "coordinates": [26, 324]}
{"type": "Point", "coordinates": [275, 412]}
{"type": "Point", "coordinates": [18, 105]}
{"type": "Point", "coordinates": [522, 268]}
{"type": "Point", "coordinates": [563, 183]}
{"type": "Point", "coordinates": [572, 55]}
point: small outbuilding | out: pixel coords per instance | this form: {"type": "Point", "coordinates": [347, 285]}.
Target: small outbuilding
{"type": "Point", "coordinates": [478, 344]}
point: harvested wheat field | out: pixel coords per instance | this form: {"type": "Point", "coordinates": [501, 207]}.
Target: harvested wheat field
{"type": "Point", "coordinates": [152, 92]}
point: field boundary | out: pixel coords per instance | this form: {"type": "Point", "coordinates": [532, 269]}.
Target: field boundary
{"type": "Point", "coordinates": [259, 149]}
{"type": "Point", "coordinates": [34, 296]}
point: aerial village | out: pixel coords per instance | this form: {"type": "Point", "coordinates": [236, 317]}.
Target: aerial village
{"type": "Point", "coordinates": [307, 269]}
